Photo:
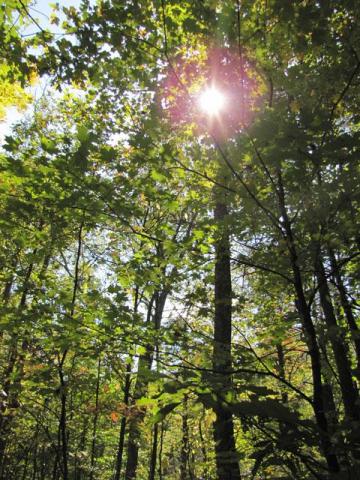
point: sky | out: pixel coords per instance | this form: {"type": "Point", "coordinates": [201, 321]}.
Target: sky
{"type": "Point", "coordinates": [40, 11]}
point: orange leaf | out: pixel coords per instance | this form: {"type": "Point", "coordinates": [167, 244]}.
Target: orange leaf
{"type": "Point", "coordinates": [114, 417]}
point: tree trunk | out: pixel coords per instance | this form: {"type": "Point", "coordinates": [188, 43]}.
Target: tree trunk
{"type": "Point", "coordinates": [227, 464]}
{"type": "Point", "coordinates": [329, 401]}
{"type": "Point", "coordinates": [35, 463]}
{"type": "Point", "coordinates": [154, 447]}
{"type": "Point", "coordinates": [96, 416]}
{"type": "Point", "coordinates": [348, 390]}
{"type": "Point", "coordinates": [184, 456]}
{"type": "Point", "coordinates": [61, 363]}
{"type": "Point", "coordinates": [14, 368]}
{"type": "Point", "coordinates": [281, 369]}
{"type": "Point", "coordinates": [161, 450]}
{"type": "Point", "coordinates": [63, 421]}
{"type": "Point", "coordinates": [355, 331]}
{"type": "Point", "coordinates": [203, 447]}
{"type": "Point", "coordinates": [24, 474]}
{"type": "Point", "coordinates": [56, 465]}
{"type": "Point", "coordinates": [78, 467]}
{"type": "Point", "coordinates": [141, 385]}
{"type": "Point", "coordinates": [7, 291]}
{"type": "Point", "coordinates": [310, 336]}
{"type": "Point", "coordinates": [120, 451]}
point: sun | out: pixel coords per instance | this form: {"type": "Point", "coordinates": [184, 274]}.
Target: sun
{"type": "Point", "coordinates": [212, 101]}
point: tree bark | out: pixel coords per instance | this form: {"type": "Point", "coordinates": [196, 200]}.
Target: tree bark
{"type": "Point", "coordinates": [281, 368]}
{"type": "Point", "coordinates": [354, 329]}
{"type": "Point", "coordinates": [96, 416]}
{"type": "Point", "coordinates": [160, 470]}
{"type": "Point", "coordinates": [78, 467]}
{"type": "Point", "coordinates": [310, 336]}
{"type": "Point", "coordinates": [227, 464]}
{"type": "Point", "coordinates": [348, 390]}
{"type": "Point", "coordinates": [120, 450]}
{"type": "Point", "coordinates": [184, 456]}
{"type": "Point", "coordinates": [141, 385]}
{"type": "Point", "coordinates": [203, 446]}
{"type": "Point", "coordinates": [15, 366]}
{"type": "Point", "coordinates": [61, 363]}
{"type": "Point", "coordinates": [153, 457]}
{"type": "Point", "coordinates": [63, 420]}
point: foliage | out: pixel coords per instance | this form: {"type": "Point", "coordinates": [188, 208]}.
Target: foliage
{"type": "Point", "coordinates": [110, 366]}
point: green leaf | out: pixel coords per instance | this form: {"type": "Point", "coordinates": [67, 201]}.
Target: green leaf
{"type": "Point", "coordinates": [265, 408]}
{"type": "Point", "coordinates": [163, 412]}
{"type": "Point", "coordinates": [83, 133]}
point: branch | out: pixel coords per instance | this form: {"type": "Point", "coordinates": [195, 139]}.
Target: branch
{"type": "Point", "coordinates": [236, 174]}
{"type": "Point", "coordinates": [341, 96]}
{"type": "Point", "coordinates": [30, 16]}
{"type": "Point", "coordinates": [262, 267]}
{"type": "Point", "coordinates": [203, 175]}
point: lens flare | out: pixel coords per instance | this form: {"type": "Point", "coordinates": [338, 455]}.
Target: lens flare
{"type": "Point", "coordinates": [214, 92]}
{"type": "Point", "coordinates": [212, 101]}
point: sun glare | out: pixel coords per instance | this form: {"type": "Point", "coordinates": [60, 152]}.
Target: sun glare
{"type": "Point", "coordinates": [212, 101]}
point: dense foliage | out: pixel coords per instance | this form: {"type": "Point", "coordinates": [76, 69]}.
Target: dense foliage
{"type": "Point", "coordinates": [179, 290]}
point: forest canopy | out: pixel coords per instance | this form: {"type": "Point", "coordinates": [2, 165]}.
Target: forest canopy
{"type": "Point", "coordinates": [179, 258]}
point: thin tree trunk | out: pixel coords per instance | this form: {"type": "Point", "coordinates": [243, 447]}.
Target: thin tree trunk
{"type": "Point", "coordinates": [34, 472]}
{"type": "Point", "coordinates": [63, 386]}
{"type": "Point", "coordinates": [281, 368]}
{"type": "Point", "coordinates": [56, 464]}
{"type": "Point", "coordinates": [78, 470]}
{"type": "Point", "coordinates": [96, 416]}
{"type": "Point", "coordinates": [63, 420]}
{"type": "Point", "coordinates": [203, 446]}
{"type": "Point", "coordinates": [153, 458]}
{"type": "Point", "coordinates": [135, 423]}
{"type": "Point", "coordinates": [141, 385]}
{"type": "Point", "coordinates": [11, 387]}
{"type": "Point", "coordinates": [227, 464]}
{"type": "Point", "coordinates": [354, 329]}
{"type": "Point", "coordinates": [25, 466]}
{"type": "Point", "coordinates": [329, 401]}
{"type": "Point", "coordinates": [348, 390]}
{"type": "Point", "coordinates": [184, 456]}
{"type": "Point", "coordinates": [161, 451]}
{"type": "Point", "coordinates": [331, 409]}
{"type": "Point", "coordinates": [43, 464]}
{"type": "Point", "coordinates": [144, 367]}
{"type": "Point", "coordinates": [310, 336]}
{"type": "Point", "coordinates": [120, 450]}
{"type": "Point", "coordinates": [10, 281]}
{"type": "Point", "coordinates": [7, 291]}
{"type": "Point", "coordinates": [15, 366]}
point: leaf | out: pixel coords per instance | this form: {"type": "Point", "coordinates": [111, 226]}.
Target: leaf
{"type": "Point", "coordinates": [141, 350]}
{"type": "Point", "coordinates": [158, 176]}
{"type": "Point", "coordinates": [114, 417]}
{"type": "Point", "coordinates": [83, 133]}
{"type": "Point", "coordinates": [265, 408]}
{"type": "Point", "coordinates": [260, 390]}
{"type": "Point", "coordinates": [145, 402]}
{"type": "Point", "coordinates": [171, 387]}
{"type": "Point", "coordinates": [48, 145]}
{"type": "Point", "coordinates": [259, 457]}
{"type": "Point", "coordinates": [164, 411]}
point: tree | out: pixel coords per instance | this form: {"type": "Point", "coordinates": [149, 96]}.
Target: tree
{"type": "Point", "coordinates": [173, 277]}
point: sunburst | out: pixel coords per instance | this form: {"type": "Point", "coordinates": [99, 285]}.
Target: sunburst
{"type": "Point", "coordinates": [212, 101]}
